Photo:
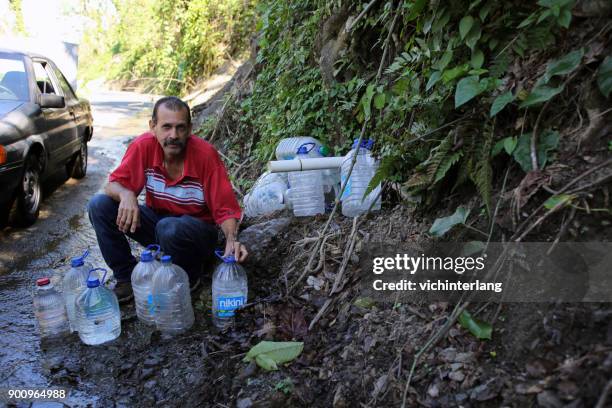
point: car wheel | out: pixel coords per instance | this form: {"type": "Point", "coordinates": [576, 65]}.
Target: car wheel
{"type": "Point", "coordinates": [79, 164]}
{"type": "Point", "coordinates": [30, 192]}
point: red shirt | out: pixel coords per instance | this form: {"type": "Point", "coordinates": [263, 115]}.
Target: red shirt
{"type": "Point", "coordinates": [203, 191]}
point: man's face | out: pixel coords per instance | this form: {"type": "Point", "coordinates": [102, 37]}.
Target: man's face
{"type": "Point", "coordinates": [171, 130]}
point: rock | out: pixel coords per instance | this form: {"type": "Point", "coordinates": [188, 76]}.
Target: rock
{"type": "Point", "coordinates": [152, 362]}
{"type": "Point", "coordinates": [257, 238]}
{"type": "Point", "coordinates": [456, 366]}
{"type": "Point", "coordinates": [433, 391]}
{"type": "Point", "coordinates": [485, 392]}
{"type": "Point", "coordinates": [548, 399]}
{"type": "Point", "coordinates": [146, 373]}
{"type": "Point", "coordinates": [448, 355]}
{"type": "Point", "coordinates": [339, 400]}
{"type": "Point", "coordinates": [149, 385]}
{"type": "Point", "coordinates": [464, 357]}
{"type": "Point", "coordinates": [244, 403]}
{"type": "Point", "coordinates": [456, 376]}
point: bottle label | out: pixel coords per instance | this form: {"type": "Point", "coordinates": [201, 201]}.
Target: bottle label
{"type": "Point", "coordinates": [226, 305]}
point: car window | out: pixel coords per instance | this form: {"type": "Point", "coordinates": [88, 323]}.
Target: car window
{"type": "Point", "coordinates": [66, 88]}
{"type": "Point", "coordinates": [43, 79]}
{"type": "Point", "coordinates": [13, 79]}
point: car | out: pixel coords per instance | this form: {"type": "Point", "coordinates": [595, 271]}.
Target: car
{"type": "Point", "coordinates": [44, 129]}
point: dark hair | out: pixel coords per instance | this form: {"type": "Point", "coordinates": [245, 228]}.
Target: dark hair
{"type": "Point", "coordinates": [174, 104]}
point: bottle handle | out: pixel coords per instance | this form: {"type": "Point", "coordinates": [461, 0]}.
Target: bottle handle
{"type": "Point", "coordinates": [98, 269]}
{"type": "Point", "coordinates": [228, 258]}
{"type": "Point", "coordinates": [156, 247]}
{"type": "Point", "coordinates": [85, 254]}
{"type": "Point", "coordinates": [311, 144]}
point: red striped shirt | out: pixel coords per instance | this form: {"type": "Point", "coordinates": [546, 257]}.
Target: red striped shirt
{"type": "Point", "coordinates": [203, 191]}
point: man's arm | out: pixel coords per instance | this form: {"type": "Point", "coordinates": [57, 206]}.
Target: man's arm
{"type": "Point", "coordinates": [128, 215]}
{"type": "Point", "coordinates": [232, 246]}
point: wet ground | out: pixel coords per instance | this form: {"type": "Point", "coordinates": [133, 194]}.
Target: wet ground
{"type": "Point", "coordinates": [61, 232]}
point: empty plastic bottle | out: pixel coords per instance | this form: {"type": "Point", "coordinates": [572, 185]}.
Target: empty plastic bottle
{"type": "Point", "coordinates": [287, 148]}
{"type": "Point", "coordinates": [97, 311]}
{"type": "Point", "coordinates": [229, 290]}
{"type": "Point", "coordinates": [306, 188]}
{"type": "Point", "coordinates": [49, 310]}
{"type": "Point", "coordinates": [142, 284]}
{"type": "Point", "coordinates": [173, 312]}
{"type": "Point", "coordinates": [74, 283]}
{"type": "Point", "coordinates": [267, 195]}
{"type": "Point", "coordinates": [353, 200]}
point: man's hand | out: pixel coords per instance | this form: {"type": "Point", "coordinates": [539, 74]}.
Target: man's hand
{"type": "Point", "coordinates": [236, 249]}
{"type": "Point", "coordinates": [232, 246]}
{"type": "Point", "coordinates": [128, 216]}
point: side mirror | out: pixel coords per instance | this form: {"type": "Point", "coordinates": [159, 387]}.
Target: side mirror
{"type": "Point", "coordinates": [51, 101]}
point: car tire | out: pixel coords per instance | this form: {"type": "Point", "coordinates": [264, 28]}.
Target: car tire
{"type": "Point", "coordinates": [29, 195]}
{"type": "Point", "coordinates": [78, 166]}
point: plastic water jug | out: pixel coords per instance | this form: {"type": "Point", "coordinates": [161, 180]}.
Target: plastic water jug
{"type": "Point", "coordinates": [97, 311]}
{"type": "Point", "coordinates": [306, 188]}
{"type": "Point", "coordinates": [142, 284]}
{"type": "Point", "coordinates": [49, 310]}
{"type": "Point", "coordinates": [353, 201]}
{"type": "Point", "coordinates": [75, 283]}
{"type": "Point", "coordinates": [173, 312]}
{"type": "Point", "coordinates": [287, 148]}
{"type": "Point", "coordinates": [267, 195]}
{"type": "Point", "coordinates": [229, 290]}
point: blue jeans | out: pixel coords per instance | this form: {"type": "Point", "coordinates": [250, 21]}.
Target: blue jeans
{"type": "Point", "coordinates": [189, 240]}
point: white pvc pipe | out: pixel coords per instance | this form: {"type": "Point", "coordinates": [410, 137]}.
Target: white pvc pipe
{"type": "Point", "coordinates": [297, 164]}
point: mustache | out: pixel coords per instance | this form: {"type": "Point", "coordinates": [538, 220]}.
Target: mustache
{"type": "Point", "coordinates": [173, 142]}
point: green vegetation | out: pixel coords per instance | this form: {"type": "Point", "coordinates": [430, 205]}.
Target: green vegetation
{"type": "Point", "coordinates": [171, 43]}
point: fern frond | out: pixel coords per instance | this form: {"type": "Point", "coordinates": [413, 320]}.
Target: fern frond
{"type": "Point", "coordinates": [446, 165]}
{"type": "Point", "coordinates": [441, 152]}
{"type": "Point", "coordinates": [500, 65]}
{"type": "Point", "coordinates": [481, 173]}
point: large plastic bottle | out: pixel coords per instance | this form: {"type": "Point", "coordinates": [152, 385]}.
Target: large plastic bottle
{"type": "Point", "coordinates": [97, 311]}
{"type": "Point", "coordinates": [353, 201]}
{"type": "Point", "coordinates": [287, 148]}
{"type": "Point", "coordinates": [73, 284]}
{"type": "Point", "coordinates": [267, 195]}
{"type": "Point", "coordinates": [49, 310]}
{"type": "Point", "coordinates": [229, 290]}
{"type": "Point", "coordinates": [142, 285]}
{"type": "Point", "coordinates": [306, 188]}
{"type": "Point", "coordinates": [171, 298]}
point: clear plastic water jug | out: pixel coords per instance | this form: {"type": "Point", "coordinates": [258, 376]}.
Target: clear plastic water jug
{"type": "Point", "coordinates": [267, 195]}
{"type": "Point", "coordinates": [229, 290]}
{"type": "Point", "coordinates": [75, 283]}
{"type": "Point", "coordinates": [173, 312]}
{"type": "Point", "coordinates": [306, 188]}
{"type": "Point", "coordinates": [353, 201]}
{"type": "Point", "coordinates": [97, 311]}
{"type": "Point", "coordinates": [287, 148]}
{"type": "Point", "coordinates": [49, 310]}
{"type": "Point", "coordinates": [142, 284]}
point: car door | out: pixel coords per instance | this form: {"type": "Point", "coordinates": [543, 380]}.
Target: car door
{"type": "Point", "coordinates": [57, 123]}
{"type": "Point", "coordinates": [74, 107]}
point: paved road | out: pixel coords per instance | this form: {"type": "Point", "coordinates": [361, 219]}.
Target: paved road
{"type": "Point", "coordinates": [63, 231]}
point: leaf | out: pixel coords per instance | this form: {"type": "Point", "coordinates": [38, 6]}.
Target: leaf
{"type": "Point", "coordinates": [477, 59]}
{"type": "Point", "coordinates": [540, 94]}
{"type": "Point", "coordinates": [474, 35]}
{"type": "Point", "coordinates": [433, 79]}
{"type": "Point", "coordinates": [564, 65]}
{"type": "Point", "coordinates": [367, 100]}
{"type": "Point", "coordinates": [415, 10]}
{"type": "Point", "coordinates": [484, 11]}
{"type": "Point", "coordinates": [500, 103]}
{"type": "Point", "coordinates": [453, 73]}
{"type": "Point", "coordinates": [548, 141]}
{"type": "Point", "coordinates": [510, 144]}
{"type": "Point", "coordinates": [265, 362]}
{"type": "Point", "coordinates": [465, 25]}
{"type": "Point", "coordinates": [558, 201]}
{"type": "Point", "coordinates": [528, 21]}
{"type": "Point", "coordinates": [467, 88]}
{"type": "Point", "coordinates": [364, 302]}
{"type": "Point", "coordinates": [472, 247]}
{"type": "Point", "coordinates": [497, 148]}
{"type": "Point", "coordinates": [446, 165]}
{"type": "Point", "coordinates": [442, 225]}
{"type": "Point", "coordinates": [268, 354]}
{"type": "Point", "coordinates": [565, 18]}
{"type": "Point", "coordinates": [379, 101]}
{"type": "Point", "coordinates": [604, 77]}
{"type": "Point", "coordinates": [444, 60]}
{"type": "Point", "coordinates": [480, 329]}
